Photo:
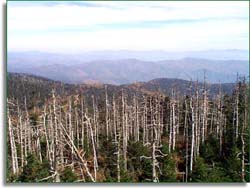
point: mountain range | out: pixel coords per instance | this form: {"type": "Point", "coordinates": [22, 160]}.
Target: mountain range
{"type": "Point", "coordinates": [110, 67]}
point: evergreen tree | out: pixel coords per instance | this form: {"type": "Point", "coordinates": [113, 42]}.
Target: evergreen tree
{"type": "Point", "coordinates": [68, 175]}
{"type": "Point", "coordinates": [34, 170]}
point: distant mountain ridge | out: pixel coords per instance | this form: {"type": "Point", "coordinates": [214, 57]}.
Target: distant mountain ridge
{"type": "Point", "coordinates": [124, 71]}
{"type": "Point", "coordinates": [153, 55]}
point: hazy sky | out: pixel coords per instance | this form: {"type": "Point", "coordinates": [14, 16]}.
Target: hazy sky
{"type": "Point", "coordinates": [86, 26]}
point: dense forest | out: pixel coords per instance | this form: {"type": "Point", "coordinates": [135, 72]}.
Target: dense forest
{"type": "Point", "coordinates": [139, 133]}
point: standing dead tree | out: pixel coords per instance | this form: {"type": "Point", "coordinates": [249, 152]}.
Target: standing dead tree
{"type": "Point", "coordinates": [93, 147]}
{"type": "Point", "coordinates": [155, 152]}
{"type": "Point", "coordinates": [124, 130]}
{"type": "Point", "coordinates": [193, 135]}
{"type": "Point", "coordinates": [107, 119]}
{"type": "Point", "coordinates": [13, 149]}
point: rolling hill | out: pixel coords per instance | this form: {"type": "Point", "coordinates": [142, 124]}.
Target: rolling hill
{"type": "Point", "coordinates": [34, 87]}
{"type": "Point", "coordinates": [127, 71]}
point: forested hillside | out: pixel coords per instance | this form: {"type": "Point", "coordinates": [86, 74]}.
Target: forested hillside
{"type": "Point", "coordinates": [159, 131]}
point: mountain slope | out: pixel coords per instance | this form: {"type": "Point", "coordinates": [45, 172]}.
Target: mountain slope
{"type": "Point", "coordinates": [165, 85]}
{"type": "Point", "coordinates": [128, 71]}
{"type": "Point", "coordinates": [34, 88]}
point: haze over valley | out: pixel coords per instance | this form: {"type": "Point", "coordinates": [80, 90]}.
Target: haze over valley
{"type": "Point", "coordinates": [125, 67]}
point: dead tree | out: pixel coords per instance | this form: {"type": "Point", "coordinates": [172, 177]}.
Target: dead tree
{"type": "Point", "coordinates": [23, 159]}
{"type": "Point", "coordinates": [136, 119]}
{"type": "Point", "coordinates": [236, 109]}
{"type": "Point", "coordinates": [192, 132]}
{"type": "Point", "coordinates": [70, 127]}
{"type": "Point", "coordinates": [243, 129]}
{"type": "Point", "coordinates": [205, 110]}
{"type": "Point", "coordinates": [155, 153]}
{"type": "Point", "coordinates": [144, 121]}
{"type": "Point", "coordinates": [82, 124]}
{"type": "Point", "coordinates": [114, 119]}
{"type": "Point", "coordinates": [197, 128]}
{"type": "Point", "coordinates": [76, 152]}
{"type": "Point", "coordinates": [173, 121]}
{"type": "Point", "coordinates": [118, 152]}
{"type": "Point", "coordinates": [95, 121]}
{"type": "Point", "coordinates": [27, 129]}
{"type": "Point", "coordinates": [186, 136]}
{"type": "Point", "coordinates": [93, 147]}
{"type": "Point", "coordinates": [13, 149]}
{"type": "Point", "coordinates": [107, 112]}
{"type": "Point", "coordinates": [124, 130]}
{"type": "Point", "coordinates": [56, 141]}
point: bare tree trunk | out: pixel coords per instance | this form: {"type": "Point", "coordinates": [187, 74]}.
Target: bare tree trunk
{"type": "Point", "coordinates": [61, 145]}
{"type": "Point", "coordinates": [46, 136]}
{"type": "Point", "coordinates": [170, 130]}
{"type": "Point", "coordinates": [94, 118]}
{"type": "Point", "coordinates": [82, 123]}
{"type": "Point", "coordinates": [197, 129]}
{"type": "Point", "coordinates": [107, 112]}
{"type": "Point", "coordinates": [243, 170]}
{"type": "Point", "coordinates": [186, 135]}
{"type": "Point", "coordinates": [77, 128]}
{"type": "Point", "coordinates": [237, 109]}
{"type": "Point", "coordinates": [192, 144]}
{"type": "Point", "coordinates": [21, 137]}
{"type": "Point", "coordinates": [71, 133]}
{"type": "Point", "coordinates": [27, 127]}
{"type": "Point", "coordinates": [94, 149]}
{"type": "Point", "coordinates": [154, 164]}
{"type": "Point", "coordinates": [114, 120]}
{"type": "Point", "coordinates": [243, 159]}
{"type": "Point", "coordinates": [97, 127]}
{"type": "Point", "coordinates": [38, 144]}
{"type": "Point", "coordinates": [174, 125]}
{"type": "Point", "coordinates": [204, 115]}
{"type": "Point", "coordinates": [12, 145]}
{"type": "Point", "coordinates": [144, 119]}
{"type": "Point", "coordinates": [56, 154]}
{"type": "Point", "coordinates": [124, 131]}
{"type": "Point", "coordinates": [118, 153]}
{"type": "Point", "coordinates": [77, 153]}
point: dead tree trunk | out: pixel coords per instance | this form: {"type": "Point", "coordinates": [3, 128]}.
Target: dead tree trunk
{"type": "Point", "coordinates": [93, 148]}
{"type": "Point", "coordinates": [118, 153]}
{"type": "Point", "coordinates": [23, 159]}
{"type": "Point", "coordinates": [173, 120]}
{"type": "Point", "coordinates": [82, 124]}
{"type": "Point", "coordinates": [107, 112]}
{"type": "Point", "coordinates": [197, 128]}
{"type": "Point", "coordinates": [186, 136]}
{"type": "Point", "coordinates": [193, 139]}
{"type": "Point", "coordinates": [56, 152]}
{"type": "Point", "coordinates": [77, 153]}
{"type": "Point", "coordinates": [237, 109]}
{"type": "Point", "coordinates": [124, 131]}
{"type": "Point", "coordinates": [71, 133]}
{"type": "Point", "coordinates": [155, 153]}
{"type": "Point", "coordinates": [14, 160]}
{"type": "Point", "coordinates": [114, 119]}
{"type": "Point", "coordinates": [94, 119]}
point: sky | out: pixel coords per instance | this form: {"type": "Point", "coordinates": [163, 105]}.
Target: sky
{"type": "Point", "coordinates": [73, 27]}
